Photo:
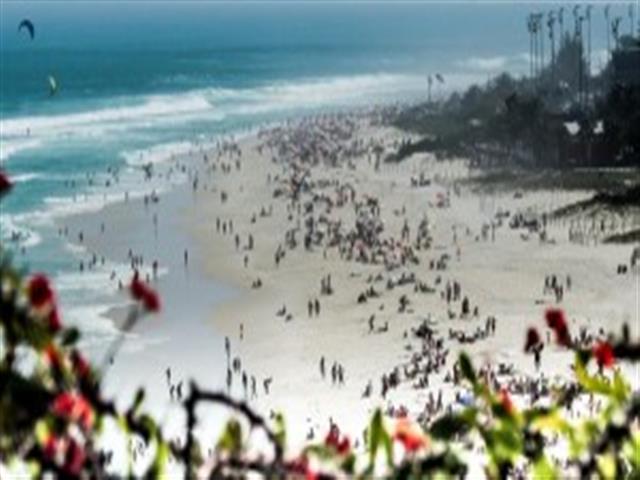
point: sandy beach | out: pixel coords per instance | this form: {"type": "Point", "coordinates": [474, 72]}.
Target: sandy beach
{"type": "Point", "coordinates": [275, 337]}
{"type": "Point", "coordinates": [306, 275]}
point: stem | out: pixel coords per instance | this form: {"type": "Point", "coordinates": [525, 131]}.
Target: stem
{"type": "Point", "coordinates": [114, 348]}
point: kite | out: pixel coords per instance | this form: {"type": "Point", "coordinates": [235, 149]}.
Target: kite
{"type": "Point", "coordinates": [26, 23]}
{"type": "Point", "coordinates": [53, 86]}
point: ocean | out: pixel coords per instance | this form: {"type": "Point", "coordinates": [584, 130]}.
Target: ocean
{"type": "Point", "coordinates": [142, 81]}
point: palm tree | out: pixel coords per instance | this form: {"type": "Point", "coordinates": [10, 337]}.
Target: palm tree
{"type": "Point", "coordinates": [531, 30]}
{"type": "Point", "coordinates": [588, 76]}
{"type": "Point", "coordinates": [615, 30]}
{"type": "Point", "coordinates": [550, 22]}
{"type": "Point", "coordinates": [631, 19]}
{"type": "Point", "coordinates": [540, 29]}
{"type": "Point", "coordinates": [576, 16]}
{"type": "Point", "coordinates": [578, 19]}
{"type": "Point", "coordinates": [561, 23]}
{"type": "Point", "coordinates": [606, 19]}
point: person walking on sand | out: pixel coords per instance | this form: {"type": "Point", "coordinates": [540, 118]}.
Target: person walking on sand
{"type": "Point", "coordinates": [244, 383]}
{"type": "Point", "coordinates": [317, 307]}
{"type": "Point", "coordinates": [186, 258]}
{"type": "Point", "coordinates": [322, 367]}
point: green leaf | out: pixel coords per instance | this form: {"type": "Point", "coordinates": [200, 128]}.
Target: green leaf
{"type": "Point", "coordinates": [70, 336]}
{"type": "Point", "coordinates": [137, 402]}
{"type": "Point", "coordinates": [506, 444]}
{"type": "Point", "coordinates": [631, 450]}
{"type": "Point", "coordinates": [319, 450]}
{"type": "Point", "coordinates": [378, 436]}
{"type": "Point", "coordinates": [620, 388]}
{"type": "Point", "coordinates": [157, 469]}
{"type": "Point", "coordinates": [449, 426]}
{"type": "Point", "coordinates": [231, 438]}
{"type": "Point", "coordinates": [606, 466]}
{"type": "Point", "coordinates": [280, 430]}
{"type": "Point", "coordinates": [544, 470]}
{"type": "Point", "coordinates": [349, 464]}
{"type": "Point", "coordinates": [548, 420]}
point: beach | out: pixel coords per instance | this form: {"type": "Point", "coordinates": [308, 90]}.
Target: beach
{"type": "Point", "coordinates": [308, 276]}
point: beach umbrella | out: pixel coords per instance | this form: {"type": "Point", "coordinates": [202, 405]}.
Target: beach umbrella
{"type": "Point", "coordinates": [26, 23]}
{"type": "Point", "coordinates": [53, 86]}
{"type": "Point", "coordinates": [467, 399]}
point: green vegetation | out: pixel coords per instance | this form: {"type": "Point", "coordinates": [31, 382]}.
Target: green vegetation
{"type": "Point", "coordinates": [544, 121]}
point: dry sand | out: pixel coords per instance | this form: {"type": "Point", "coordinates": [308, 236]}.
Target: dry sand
{"type": "Point", "coordinates": [504, 278]}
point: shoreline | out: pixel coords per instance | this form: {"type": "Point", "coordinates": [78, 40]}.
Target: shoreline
{"type": "Point", "coordinates": [503, 278]}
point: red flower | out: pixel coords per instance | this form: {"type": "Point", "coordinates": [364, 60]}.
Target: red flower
{"type": "Point", "coordinates": [411, 437]}
{"type": "Point", "coordinates": [341, 445]}
{"type": "Point", "coordinates": [50, 447]}
{"type": "Point", "coordinates": [344, 446]}
{"type": "Point", "coordinates": [39, 290]}
{"type": "Point", "coordinates": [300, 468]}
{"type": "Point", "coordinates": [52, 357]}
{"type": "Point", "coordinates": [555, 318]}
{"type": "Point", "coordinates": [505, 401]}
{"type": "Point", "coordinates": [74, 459]}
{"type": "Point", "coordinates": [141, 292]}
{"type": "Point", "coordinates": [80, 365]}
{"type": "Point", "coordinates": [54, 320]}
{"type": "Point", "coordinates": [5, 184]}
{"type": "Point", "coordinates": [533, 340]}
{"type": "Point", "coordinates": [603, 353]}
{"type": "Point", "coordinates": [73, 407]}
{"type": "Point", "coordinates": [557, 321]}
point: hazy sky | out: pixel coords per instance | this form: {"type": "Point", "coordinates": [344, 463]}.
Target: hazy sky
{"type": "Point", "coordinates": [478, 30]}
{"type": "Point", "coordinates": [148, 23]}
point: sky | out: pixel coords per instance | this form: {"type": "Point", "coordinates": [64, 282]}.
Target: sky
{"type": "Point", "coordinates": [148, 23]}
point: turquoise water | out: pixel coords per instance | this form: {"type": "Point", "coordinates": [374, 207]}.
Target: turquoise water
{"type": "Point", "coordinates": [153, 77]}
